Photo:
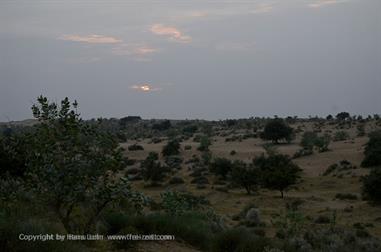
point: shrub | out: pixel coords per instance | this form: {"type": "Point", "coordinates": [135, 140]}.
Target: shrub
{"type": "Point", "coordinates": [13, 154]}
{"type": "Point", "coordinates": [174, 161]}
{"type": "Point", "coordinates": [239, 240]}
{"type": "Point", "coordinates": [233, 152]}
{"type": "Point", "coordinates": [176, 203]}
{"type": "Point", "coordinates": [135, 147]}
{"type": "Point", "coordinates": [245, 177]}
{"type": "Point", "coordinates": [322, 142]}
{"type": "Point", "coordinates": [171, 148]}
{"type": "Point", "coordinates": [152, 169]}
{"type": "Point", "coordinates": [161, 126]}
{"type": "Point", "coordinates": [308, 140]}
{"type": "Point", "coordinates": [221, 167]}
{"type": "Point", "coordinates": [204, 144]}
{"type": "Point", "coordinates": [341, 136]}
{"type": "Point", "coordinates": [276, 130]}
{"type": "Point", "coordinates": [371, 185]}
{"type": "Point", "coordinates": [373, 150]}
{"type": "Point", "coordinates": [278, 172]}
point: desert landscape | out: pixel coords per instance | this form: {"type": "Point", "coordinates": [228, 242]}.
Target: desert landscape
{"type": "Point", "coordinates": [198, 125]}
{"type": "Point", "coordinates": [214, 185]}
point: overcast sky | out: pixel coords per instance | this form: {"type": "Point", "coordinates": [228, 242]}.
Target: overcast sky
{"type": "Point", "coordinates": [192, 59]}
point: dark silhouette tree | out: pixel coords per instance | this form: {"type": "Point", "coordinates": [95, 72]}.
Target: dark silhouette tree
{"type": "Point", "coordinates": [276, 130]}
{"type": "Point", "coordinates": [73, 165]}
{"type": "Point", "coordinates": [171, 148]}
{"type": "Point", "coordinates": [277, 172]}
{"type": "Point", "coordinates": [245, 176]}
{"type": "Point", "coordinates": [343, 116]}
{"type": "Point", "coordinates": [371, 185]}
{"type": "Point", "coordinates": [373, 150]}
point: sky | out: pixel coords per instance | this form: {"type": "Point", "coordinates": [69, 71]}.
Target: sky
{"type": "Point", "coordinates": [192, 59]}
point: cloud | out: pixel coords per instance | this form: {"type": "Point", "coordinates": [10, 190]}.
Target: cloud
{"type": "Point", "coordinates": [133, 49]}
{"type": "Point", "coordinates": [91, 39]}
{"type": "Point", "coordinates": [145, 87]}
{"type": "Point", "coordinates": [171, 32]}
{"type": "Point", "coordinates": [263, 8]}
{"type": "Point", "coordinates": [323, 3]}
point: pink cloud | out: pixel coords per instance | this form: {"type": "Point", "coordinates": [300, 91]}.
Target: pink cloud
{"type": "Point", "coordinates": [171, 32]}
{"type": "Point", "coordinates": [133, 49]}
{"type": "Point", "coordinates": [91, 39]}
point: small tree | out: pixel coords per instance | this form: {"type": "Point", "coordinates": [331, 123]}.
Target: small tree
{"type": "Point", "coordinates": [343, 116]}
{"type": "Point", "coordinates": [171, 148]}
{"type": "Point", "coordinates": [245, 176]}
{"type": "Point", "coordinates": [278, 172]}
{"type": "Point", "coordinates": [373, 150]}
{"type": "Point", "coordinates": [308, 140]}
{"type": "Point", "coordinates": [371, 185]}
{"type": "Point", "coordinates": [152, 169]}
{"type": "Point", "coordinates": [73, 165]}
{"type": "Point", "coordinates": [276, 130]}
{"type": "Point", "coordinates": [204, 144]}
{"type": "Point", "coordinates": [221, 167]}
{"type": "Point", "coordinates": [322, 142]}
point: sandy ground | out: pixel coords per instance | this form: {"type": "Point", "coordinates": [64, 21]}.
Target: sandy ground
{"type": "Point", "coordinates": [317, 191]}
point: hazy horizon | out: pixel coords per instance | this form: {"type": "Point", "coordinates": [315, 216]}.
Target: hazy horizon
{"type": "Point", "coordinates": [197, 60]}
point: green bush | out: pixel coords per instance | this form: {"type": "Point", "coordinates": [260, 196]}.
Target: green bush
{"type": "Point", "coordinates": [276, 130]}
{"type": "Point", "coordinates": [341, 136]}
{"type": "Point", "coordinates": [240, 240]}
{"type": "Point", "coordinates": [277, 172]}
{"type": "Point", "coordinates": [371, 185]}
{"type": "Point", "coordinates": [221, 167]}
{"type": "Point", "coordinates": [373, 150]}
{"type": "Point", "coordinates": [171, 148]}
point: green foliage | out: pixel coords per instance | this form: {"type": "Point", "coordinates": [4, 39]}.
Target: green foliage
{"type": "Point", "coordinates": [178, 203]}
{"type": "Point", "coordinates": [343, 116]}
{"type": "Point", "coordinates": [152, 169]}
{"type": "Point", "coordinates": [240, 240]}
{"type": "Point", "coordinates": [221, 167]}
{"type": "Point", "coordinates": [373, 150]}
{"type": "Point", "coordinates": [308, 140]}
{"type": "Point", "coordinates": [289, 223]}
{"type": "Point", "coordinates": [278, 172]}
{"type": "Point", "coordinates": [13, 154]}
{"type": "Point", "coordinates": [371, 185]}
{"type": "Point", "coordinates": [322, 142]}
{"type": "Point", "coordinates": [161, 126]}
{"type": "Point", "coordinates": [341, 136]}
{"type": "Point", "coordinates": [247, 177]}
{"type": "Point", "coordinates": [72, 165]}
{"type": "Point", "coordinates": [190, 129]}
{"type": "Point", "coordinates": [311, 139]}
{"type": "Point", "coordinates": [171, 148]}
{"type": "Point", "coordinates": [204, 143]}
{"type": "Point", "coordinates": [276, 130]}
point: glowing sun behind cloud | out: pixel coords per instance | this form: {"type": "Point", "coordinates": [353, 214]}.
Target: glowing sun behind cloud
{"type": "Point", "coordinates": [145, 87]}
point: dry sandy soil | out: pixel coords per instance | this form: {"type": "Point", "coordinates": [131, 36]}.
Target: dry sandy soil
{"type": "Point", "coordinates": [317, 191]}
